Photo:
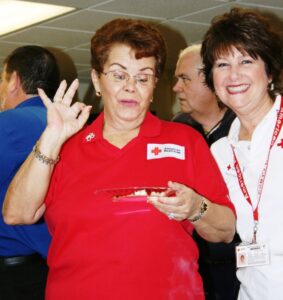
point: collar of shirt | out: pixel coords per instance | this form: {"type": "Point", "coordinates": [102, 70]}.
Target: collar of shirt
{"type": "Point", "coordinates": [261, 128]}
{"type": "Point", "coordinates": [33, 101]}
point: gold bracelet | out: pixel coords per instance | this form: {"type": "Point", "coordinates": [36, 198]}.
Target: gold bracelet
{"type": "Point", "coordinates": [202, 210]}
{"type": "Point", "coordinates": [41, 157]}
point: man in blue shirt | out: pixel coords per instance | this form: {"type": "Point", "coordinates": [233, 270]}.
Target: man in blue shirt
{"type": "Point", "coordinates": [23, 249]}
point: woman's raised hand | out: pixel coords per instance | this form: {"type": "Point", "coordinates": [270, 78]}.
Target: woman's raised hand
{"type": "Point", "coordinates": [64, 119]}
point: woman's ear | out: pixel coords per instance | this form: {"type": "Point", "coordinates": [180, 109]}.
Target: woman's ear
{"type": "Point", "coordinates": [95, 81]}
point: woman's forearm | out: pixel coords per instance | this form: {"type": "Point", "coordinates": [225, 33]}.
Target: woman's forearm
{"type": "Point", "coordinates": [217, 224]}
{"type": "Point", "coordinates": [24, 201]}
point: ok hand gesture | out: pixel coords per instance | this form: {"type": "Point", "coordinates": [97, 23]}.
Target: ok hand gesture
{"type": "Point", "coordinates": [64, 119]}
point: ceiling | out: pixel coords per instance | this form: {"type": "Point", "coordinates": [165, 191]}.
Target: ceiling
{"type": "Point", "coordinates": [182, 22]}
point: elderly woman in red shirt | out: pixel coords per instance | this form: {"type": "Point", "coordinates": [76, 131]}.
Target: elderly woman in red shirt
{"type": "Point", "coordinates": [109, 242]}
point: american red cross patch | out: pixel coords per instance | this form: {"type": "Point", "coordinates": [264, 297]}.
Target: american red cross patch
{"type": "Point", "coordinates": [155, 151]}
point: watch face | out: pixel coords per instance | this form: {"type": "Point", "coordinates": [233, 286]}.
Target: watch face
{"type": "Point", "coordinates": [203, 209]}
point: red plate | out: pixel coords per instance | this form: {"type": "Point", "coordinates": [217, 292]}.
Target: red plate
{"type": "Point", "coordinates": [134, 194]}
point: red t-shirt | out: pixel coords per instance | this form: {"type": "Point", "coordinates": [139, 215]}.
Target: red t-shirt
{"type": "Point", "coordinates": [126, 250]}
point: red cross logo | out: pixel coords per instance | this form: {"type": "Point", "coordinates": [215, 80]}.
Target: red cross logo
{"type": "Point", "coordinates": [156, 151]}
{"type": "Point", "coordinates": [280, 144]}
{"type": "Point", "coordinates": [229, 167]}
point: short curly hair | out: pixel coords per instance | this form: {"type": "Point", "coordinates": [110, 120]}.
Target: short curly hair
{"type": "Point", "coordinates": [143, 38]}
{"type": "Point", "coordinates": [250, 32]}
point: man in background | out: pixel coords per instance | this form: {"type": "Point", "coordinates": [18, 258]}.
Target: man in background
{"type": "Point", "coordinates": [23, 249]}
{"type": "Point", "coordinates": [201, 109]}
{"type": "Point", "coordinates": [199, 106]}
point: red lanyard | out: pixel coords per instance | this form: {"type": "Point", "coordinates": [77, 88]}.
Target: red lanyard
{"type": "Point", "coordinates": [239, 173]}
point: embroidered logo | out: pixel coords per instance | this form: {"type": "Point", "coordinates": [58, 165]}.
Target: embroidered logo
{"type": "Point", "coordinates": [155, 151]}
{"type": "Point", "coordinates": [90, 137]}
{"type": "Point", "coordinates": [229, 169]}
{"type": "Point", "coordinates": [280, 144]}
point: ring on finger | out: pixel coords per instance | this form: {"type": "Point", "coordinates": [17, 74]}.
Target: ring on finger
{"type": "Point", "coordinates": [171, 216]}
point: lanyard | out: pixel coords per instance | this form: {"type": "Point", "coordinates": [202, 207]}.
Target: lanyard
{"type": "Point", "coordinates": [240, 176]}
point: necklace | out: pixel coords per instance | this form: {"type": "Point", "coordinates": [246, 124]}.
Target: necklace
{"type": "Point", "coordinates": [209, 132]}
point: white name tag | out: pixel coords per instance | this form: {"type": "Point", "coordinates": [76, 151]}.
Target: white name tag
{"type": "Point", "coordinates": [252, 255]}
{"type": "Point", "coordinates": [155, 151]}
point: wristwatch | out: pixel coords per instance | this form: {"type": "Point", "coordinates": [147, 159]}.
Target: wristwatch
{"type": "Point", "coordinates": [202, 210]}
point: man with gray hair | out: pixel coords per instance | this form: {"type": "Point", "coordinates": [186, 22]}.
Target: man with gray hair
{"type": "Point", "coordinates": [199, 106]}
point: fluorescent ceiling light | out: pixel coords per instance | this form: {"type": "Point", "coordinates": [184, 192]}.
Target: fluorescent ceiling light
{"type": "Point", "coordinates": [15, 15]}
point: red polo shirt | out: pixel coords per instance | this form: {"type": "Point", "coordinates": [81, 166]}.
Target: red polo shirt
{"type": "Point", "coordinates": [126, 250]}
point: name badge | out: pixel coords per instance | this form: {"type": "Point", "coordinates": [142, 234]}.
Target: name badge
{"type": "Point", "coordinates": [249, 255]}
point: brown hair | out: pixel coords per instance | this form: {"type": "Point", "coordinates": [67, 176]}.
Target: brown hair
{"type": "Point", "coordinates": [143, 38]}
{"type": "Point", "coordinates": [249, 32]}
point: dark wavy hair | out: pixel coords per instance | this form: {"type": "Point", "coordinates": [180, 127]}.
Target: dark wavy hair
{"type": "Point", "coordinates": [142, 37]}
{"type": "Point", "coordinates": [249, 32]}
{"type": "Point", "coordinates": [36, 67]}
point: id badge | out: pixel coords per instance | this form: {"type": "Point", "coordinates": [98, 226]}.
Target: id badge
{"type": "Point", "coordinates": [249, 255]}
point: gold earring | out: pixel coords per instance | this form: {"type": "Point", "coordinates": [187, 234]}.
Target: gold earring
{"type": "Point", "coordinates": [98, 94]}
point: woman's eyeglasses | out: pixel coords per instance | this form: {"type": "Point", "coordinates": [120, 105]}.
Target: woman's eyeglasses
{"type": "Point", "coordinates": [120, 76]}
